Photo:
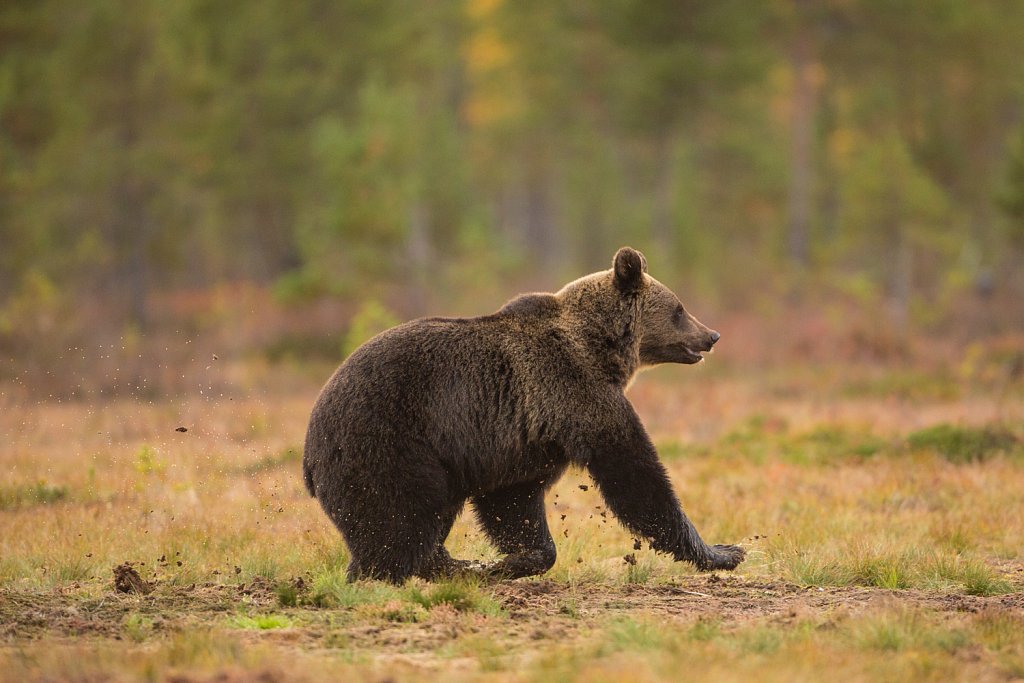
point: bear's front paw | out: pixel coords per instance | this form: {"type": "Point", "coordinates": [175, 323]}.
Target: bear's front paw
{"type": "Point", "coordinates": [724, 557]}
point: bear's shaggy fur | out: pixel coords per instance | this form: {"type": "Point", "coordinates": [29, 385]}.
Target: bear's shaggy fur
{"type": "Point", "coordinates": [438, 411]}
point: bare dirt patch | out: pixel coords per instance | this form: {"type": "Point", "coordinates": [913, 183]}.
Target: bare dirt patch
{"type": "Point", "coordinates": [533, 610]}
{"type": "Point", "coordinates": [730, 599]}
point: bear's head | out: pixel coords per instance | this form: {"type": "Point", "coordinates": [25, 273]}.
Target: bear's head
{"type": "Point", "coordinates": [668, 333]}
{"type": "Point", "coordinates": [642, 320]}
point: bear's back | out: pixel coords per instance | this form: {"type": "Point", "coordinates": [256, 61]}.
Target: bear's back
{"type": "Point", "coordinates": [438, 369]}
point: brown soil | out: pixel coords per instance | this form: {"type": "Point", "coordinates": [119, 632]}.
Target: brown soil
{"type": "Point", "coordinates": [127, 580]}
{"type": "Point", "coordinates": [536, 610]}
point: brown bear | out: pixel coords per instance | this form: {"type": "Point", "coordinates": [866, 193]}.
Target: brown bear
{"type": "Point", "coordinates": [438, 411]}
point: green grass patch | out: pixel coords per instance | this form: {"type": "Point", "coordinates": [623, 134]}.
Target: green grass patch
{"type": "Point", "coordinates": [403, 612]}
{"type": "Point", "coordinates": [287, 594]}
{"type": "Point", "coordinates": [910, 384]}
{"type": "Point", "coordinates": [901, 630]}
{"type": "Point", "coordinates": [71, 569]}
{"type": "Point", "coordinates": [639, 571]}
{"type": "Point", "coordinates": [461, 593]}
{"type": "Point", "coordinates": [202, 647]}
{"type": "Point", "coordinates": [147, 461]}
{"type": "Point", "coordinates": [760, 640]}
{"type": "Point", "coordinates": [263, 565]}
{"type": "Point", "coordinates": [971, 576]}
{"type": "Point", "coordinates": [805, 569]}
{"type": "Point", "coordinates": [137, 627]}
{"type": "Point", "coordinates": [625, 634]}
{"type": "Point", "coordinates": [673, 449]}
{"type": "Point", "coordinates": [704, 630]}
{"type": "Point", "coordinates": [271, 461]}
{"type": "Point", "coordinates": [261, 622]}
{"type": "Point", "coordinates": [962, 444]}
{"type": "Point", "coordinates": [761, 439]}
{"type": "Point", "coordinates": [1000, 629]}
{"type": "Point", "coordinates": [490, 653]}
{"type": "Point", "coordinates": [331, 588]}
{"type": "Point", "coordinates": [27, 495]}
{"type": "Point", "coordinates": [828, 444]}
{"type": "Point", "coordinates": [893, 568]}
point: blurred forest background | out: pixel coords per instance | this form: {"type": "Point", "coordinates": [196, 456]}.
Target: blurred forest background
{"type": "Point", "coordinates": [277, 179]}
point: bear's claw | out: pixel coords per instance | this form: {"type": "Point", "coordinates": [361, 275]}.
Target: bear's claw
{"type": "Point", "coordinates": [724, 557]}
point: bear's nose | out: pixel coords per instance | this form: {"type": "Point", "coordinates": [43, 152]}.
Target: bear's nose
{"type": "Point", "coordinates": [715, 336]}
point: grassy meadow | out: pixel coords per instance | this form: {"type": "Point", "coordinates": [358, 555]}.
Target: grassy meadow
{"type": "Point", "coordinates": [205, 205]}
{"type": "Point", "coordinates": [880, 505]}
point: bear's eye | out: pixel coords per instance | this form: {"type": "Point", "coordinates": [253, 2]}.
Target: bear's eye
{"type": "Point", "coordinates": [677, 315]}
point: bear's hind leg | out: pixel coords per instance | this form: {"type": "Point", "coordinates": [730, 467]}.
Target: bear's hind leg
{"type": "Point", "coordinates": [514, 520]}
{"type": "Point", "coordinates": [393, 552]}
{"type": "Point", "coordinates": [440, 563]}
{"type": "Point", "coordinates": [388, 543]}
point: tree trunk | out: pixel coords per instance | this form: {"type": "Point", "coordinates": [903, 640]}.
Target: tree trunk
{"type": "Point", "coordinates": [664, 227]}
{"type": "Point", "coordinates": [539, 227]}
{"type": "Point", "coordinates": [801, 171]}
{"type": "Point", "coordinates": [418, 254]}
{"type": "Point", "coordinates": [903, 279]}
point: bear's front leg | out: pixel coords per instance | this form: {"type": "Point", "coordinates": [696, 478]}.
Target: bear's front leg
{"type": "Point", "coordinates": [636, 487]}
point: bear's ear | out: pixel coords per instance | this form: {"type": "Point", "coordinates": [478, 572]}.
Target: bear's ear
{"type": "Point", "coordinates": [629, 267]}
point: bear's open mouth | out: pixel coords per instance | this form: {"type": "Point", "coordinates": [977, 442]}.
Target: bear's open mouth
{"type": "Point", "coordinates": [690, 356]}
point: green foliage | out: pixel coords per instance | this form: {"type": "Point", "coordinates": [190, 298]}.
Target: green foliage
{"type": "Point", "coordinates": [372, 318]}
{"type": "Point", "coordinates": [962, 444]}
{"type": "Point", "coordinates": [147, 461]}
{"type": "Point", "coordinates": [149, 147]}
{"type": "Point", "coordinates": [1011, 198]}
{"type": "Point", "coordinates": [39, 493]}
{"type": "Point", "coordinates": [302, 348]}
{"type": "Point", "coordinates": [32, 307]}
